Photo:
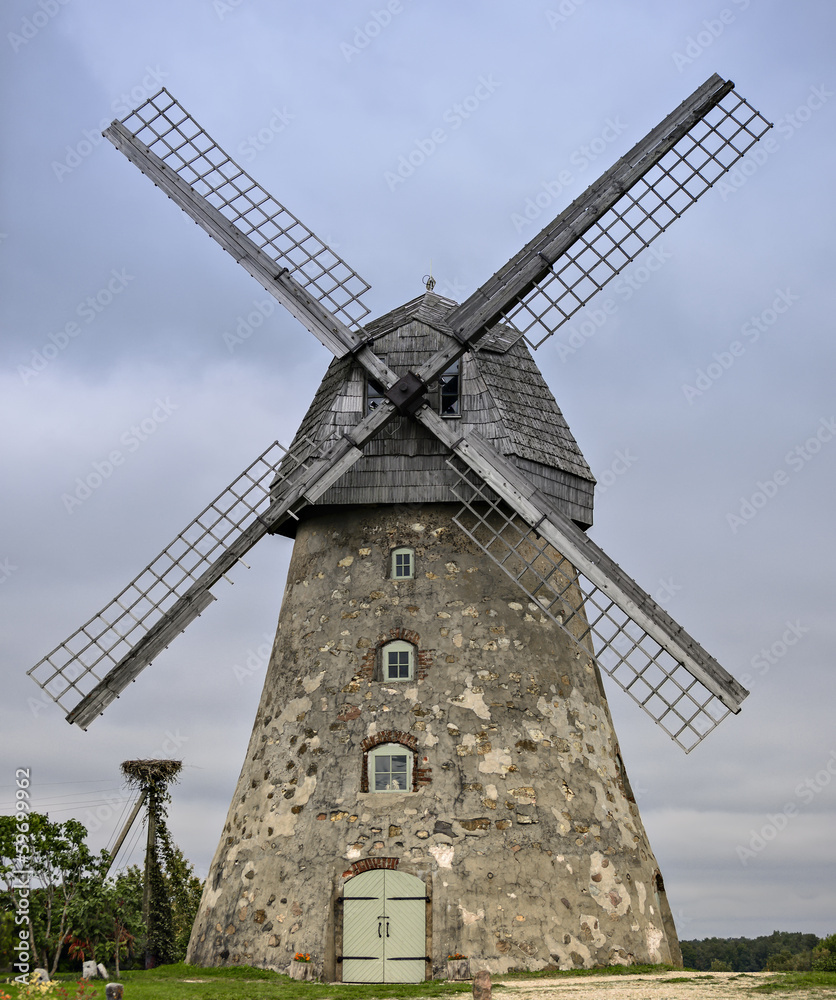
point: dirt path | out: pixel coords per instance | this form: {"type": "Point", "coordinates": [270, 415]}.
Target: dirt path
{"type": "Point", "coordinates": [667, 986]}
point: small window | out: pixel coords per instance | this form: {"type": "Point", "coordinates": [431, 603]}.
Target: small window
{"type": "Point", "coordinates": [398, 660]}
{"type": "Point", "coordinates": [390, 768]}
{"type": "Point", "coordinates": [403, 564]}
{"type": "Point", "coordinates": [374, 395]}
{"type": "Point", "coordinates": [449, 392]}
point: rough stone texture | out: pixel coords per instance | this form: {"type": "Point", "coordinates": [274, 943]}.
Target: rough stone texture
{"type": "Point", "coordinates": [482, 985]}
{"type": "Point", "coordinates": [520, 822]}
{"type": "Point", "coordinates": [113, 991]}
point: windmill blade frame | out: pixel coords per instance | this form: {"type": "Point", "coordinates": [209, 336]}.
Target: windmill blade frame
{"type": "Point", "coordinates": [584, 247]}
{"type": "Point", "coordinates": [90, 669]}
{"type": "Point", "coordinates": [567, 576]}
{"type": "Point", "coordinates": [270, 243]}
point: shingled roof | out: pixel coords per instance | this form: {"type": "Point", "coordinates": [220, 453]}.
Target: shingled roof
{"type": "Point", "coordinates": [503, 396]}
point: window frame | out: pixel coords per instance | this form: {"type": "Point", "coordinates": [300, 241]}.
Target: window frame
{"type": "Point", "coordinates": [400, 550]}
{"type": "Point", "coordinates": [451, 376]}
{"type": "Point", "coordinates": [390, 750]}
{"type": "Point", "coordinates": [401, 646]}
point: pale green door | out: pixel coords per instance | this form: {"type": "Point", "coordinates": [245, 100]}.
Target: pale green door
{"type": "Point", "coordinates": [384, 928]}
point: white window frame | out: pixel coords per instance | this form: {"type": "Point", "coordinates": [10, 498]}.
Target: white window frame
{"type": "Point", "coordinates": [452, 376]}
{"type": "Point", "coordinates": [390, 750]}
{"type": "Point", "coordinates": [400, 647]}
{"type": "Point", "coordinates": [393, 564]}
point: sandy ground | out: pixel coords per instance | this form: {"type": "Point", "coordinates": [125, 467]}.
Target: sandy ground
{"type": "Point", "coordinates": [667, 986]}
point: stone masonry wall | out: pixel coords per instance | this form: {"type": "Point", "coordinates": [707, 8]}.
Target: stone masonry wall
{"type": "Point", "coordinates": [519, 816]}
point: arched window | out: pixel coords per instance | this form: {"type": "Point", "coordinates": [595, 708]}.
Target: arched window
{"type": "Point", "coordinates": [403, 563]}
{"type": "Point", "coordinates": [390, 768]}
{"type": "Point", "coordinates": [397, 661]}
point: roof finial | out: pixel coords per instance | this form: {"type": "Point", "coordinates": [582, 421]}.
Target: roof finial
{"type": "Point", "coordinates": [428, 279]}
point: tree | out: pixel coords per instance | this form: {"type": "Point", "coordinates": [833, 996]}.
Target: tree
{"type": "Point", "coordinates": [108, 919]}
{"type": "Point", "coordinates": [61, 866]}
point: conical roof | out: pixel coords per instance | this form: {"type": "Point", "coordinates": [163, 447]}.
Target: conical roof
{"type": "Point", "coordinates": [503, 396]}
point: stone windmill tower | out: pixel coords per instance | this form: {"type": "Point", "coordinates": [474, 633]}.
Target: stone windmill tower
{"type": "Point", "coordinates": [433, 767]}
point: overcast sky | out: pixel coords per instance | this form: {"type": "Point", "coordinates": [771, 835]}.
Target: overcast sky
{"type": "Point", "coordinates": [320, 101]}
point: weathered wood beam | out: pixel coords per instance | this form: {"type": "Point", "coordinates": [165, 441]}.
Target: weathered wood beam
{"type": "Point", "coordinates": [564, 535]}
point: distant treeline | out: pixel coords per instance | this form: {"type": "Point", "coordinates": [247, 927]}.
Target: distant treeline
{"type": "Point", "coordinates": [780, 950]}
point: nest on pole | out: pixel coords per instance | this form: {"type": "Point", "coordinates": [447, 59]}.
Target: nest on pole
{"type": "Point", "coordinates": [143, 773]}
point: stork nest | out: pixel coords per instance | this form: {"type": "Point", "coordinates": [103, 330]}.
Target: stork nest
{"type": "Point", "coordinates": [149, 772]}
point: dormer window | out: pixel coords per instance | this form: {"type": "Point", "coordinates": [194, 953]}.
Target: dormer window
{"type": "Point", "coordinates": [449, 391]}
{"type": "Point", "coordinates": [403, 563]}
{"type": "Point", "coordinates": [374, 395]}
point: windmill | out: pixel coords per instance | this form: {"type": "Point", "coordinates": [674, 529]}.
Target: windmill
{"type": "Point", "coordinates": [433, 767]}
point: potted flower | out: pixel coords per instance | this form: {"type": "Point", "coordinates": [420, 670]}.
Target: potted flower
{"type": "Point", "coordinates": [300, 967]}
{"type": "Point", "coordinates": [458, 966]}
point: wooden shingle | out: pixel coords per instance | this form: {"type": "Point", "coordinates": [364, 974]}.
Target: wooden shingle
{"type": "Point", "coordinates": [503, 396]}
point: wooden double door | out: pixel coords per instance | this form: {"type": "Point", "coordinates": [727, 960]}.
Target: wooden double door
{"type": "Point", "coordinates": [384, 928]}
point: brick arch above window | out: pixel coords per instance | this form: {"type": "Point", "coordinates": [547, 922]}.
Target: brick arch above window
{"type": "Point", "coordinates": [421, 771]}
{"type": "Point", "coordinates": [423, 659]}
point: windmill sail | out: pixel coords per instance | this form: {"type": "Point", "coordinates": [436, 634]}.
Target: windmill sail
{"type": "Point", "coordinates": [166, 143]}
{"type": "Point", "coordinates": [87, 671]}
{"type": "Point", "coordinates": [631, 205]}
{"type": "Point", "coordinates": [569, 578]}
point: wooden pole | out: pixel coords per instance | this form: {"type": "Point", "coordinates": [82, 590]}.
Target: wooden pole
{"type": "Point", "coordinates": [150, 848]}
{"type": "Point", "coordinates": [120, 839]}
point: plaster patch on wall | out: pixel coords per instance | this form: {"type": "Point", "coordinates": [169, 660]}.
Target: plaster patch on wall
{"type": "Point", "coordinates": [496, 761]}
{"type": "Point", "coordinates": [562, 822]}
{"type": "Point", "coordinates": [471, 699]}
{"type": "Point", "coordinates": [654, 936]}
{"type": "Point", "coordinates": [443, 854]}
{"type": "Point", "coordinates": [589, 923]}
{"type": "Point", "coordinates": [641, 889]}
{"type": "Point", "coordinates": [471, 918]}
{"type": "Point", "coordinates": [610, 895]}
{"type": "Point", "coordinates": [294, 708]}
{"type": "Point", "coordinates": [310, 684]}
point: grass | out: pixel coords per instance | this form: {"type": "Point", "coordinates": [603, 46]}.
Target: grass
{"type": "Point", "coordinates": [795, 982]}
{"type": "Point", "coordinates": [246, 983]}
{"type": "Point", "coordinates": [172, 983]}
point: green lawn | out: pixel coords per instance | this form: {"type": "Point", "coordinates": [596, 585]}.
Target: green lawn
{"type": "Point", "coordinates": [189, 982]}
